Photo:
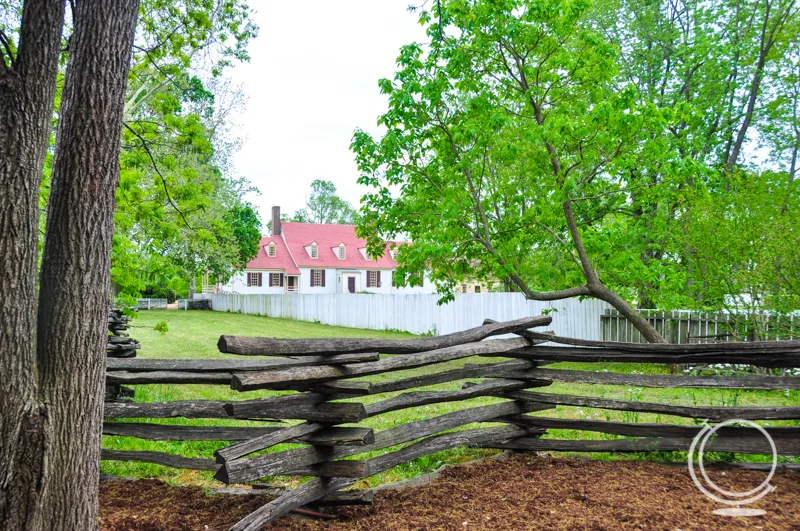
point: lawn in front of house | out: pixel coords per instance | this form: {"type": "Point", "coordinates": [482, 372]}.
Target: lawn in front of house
{"type": "Point", "coordinates": [194, 334]}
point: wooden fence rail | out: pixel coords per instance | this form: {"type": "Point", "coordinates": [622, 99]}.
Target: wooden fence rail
{"type": "Point", "coordinates": [320, 373]}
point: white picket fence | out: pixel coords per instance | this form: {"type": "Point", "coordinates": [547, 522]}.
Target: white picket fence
{"type": "Point", "coordinates": [418, 314]}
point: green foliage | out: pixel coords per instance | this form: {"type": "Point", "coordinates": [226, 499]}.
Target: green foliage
{"type": "Point", "coordinates": [641, 126]}
{"type": "Point", "coordinates": [161, 327]}
{"type": "Point", "coordinates": [179, 212]}
{"type": "Point", "coordinates": [324, 206]}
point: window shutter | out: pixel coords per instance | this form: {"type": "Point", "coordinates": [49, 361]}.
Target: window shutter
{"type": "Point", "coordinates": [394, 279]}
{"type": "Point", "coordinates": [323, 278]}
{"type": "Point", "coordinates": [260, 278]}
{"type": "Point", "coordinates": [281, 274]}
{"type": "Point", "coordinates": [248, 279]}
{"type": "Point", "coordinates": [312, 278]}
{"type": "Point", "coordinates": [378, 284]}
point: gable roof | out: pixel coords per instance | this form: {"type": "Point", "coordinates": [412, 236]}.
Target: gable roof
{"type": "Point", "coordinates": [281, 260]}
{"type": "Point", "coordinates": [291, 249]}
{"type": "Point", "coordinates": [328, 237]}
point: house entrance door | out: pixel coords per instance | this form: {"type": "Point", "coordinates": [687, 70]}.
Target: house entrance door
{"type": "Point", "coordinates": [351, 284]}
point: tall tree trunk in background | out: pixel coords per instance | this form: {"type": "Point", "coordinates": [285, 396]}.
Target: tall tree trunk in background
{"type": "Point", "coordinates": [192, 285]}
{"type": "Point", "coordinates": [27, 90]}
{"type": "Point", "coordinates": [75, 277]}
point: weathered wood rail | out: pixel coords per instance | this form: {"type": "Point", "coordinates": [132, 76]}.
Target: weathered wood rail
{"type": "Point", "coordinates": [315, 375]}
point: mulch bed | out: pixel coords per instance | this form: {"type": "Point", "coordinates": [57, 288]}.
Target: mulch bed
{"type": "Point", "coordinates": [520, 493]}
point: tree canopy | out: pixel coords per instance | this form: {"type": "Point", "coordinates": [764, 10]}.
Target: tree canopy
{"type": "Point", "coordinates": [324, 206]}
{"type": "Point", "coordinates": [569, 148]}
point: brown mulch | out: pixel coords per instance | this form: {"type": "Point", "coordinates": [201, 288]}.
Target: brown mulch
{"type": "Point", "coordinates": [520, 493]}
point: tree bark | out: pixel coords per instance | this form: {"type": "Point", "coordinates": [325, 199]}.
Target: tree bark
{"type": "Point", "coordinates": [75, 276]}
{"type": "Point", "coordinates": [192, 286]}
{"type": "Point", "coordinates": [27, 90]}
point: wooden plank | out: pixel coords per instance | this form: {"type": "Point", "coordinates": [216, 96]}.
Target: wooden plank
{"type": "Point", "coordinates": [169, 377]}
{"type": "Point", "coordinates": [692, 348]}
{"type": "Point", "coordinates": [191, 409]}
{"type": "Point", "coordinates": [233, 365]}
{"type": "Point", "coordinates": [159, 458]}
{"type": "Point", "coordinates": [668, 381]}
{"type": "Point", "coordinates": [306, 406]}
{"type": "Point", "coordinates": [648, 429]}
{"type": "Point", "coordinates": [360, 469]}
{"type": "Point", "coordinates": [347, 497]}
{"type": "Point", "coordinates": [331, 436]}
{"type": "Point", "coordinates": [747, 445]}
{"type": "Point", "coordinates": [714, 414]}
{"type": "Point", "coordinates": [340, 436]}
{"type": "Point", "coordinates": [305, 494]}
{"type": "Point", "coordinates": [167, 432]}
{"type": "Point", "coordinates": [421, 398]}
{"type": "Point", "coordinates": [287, 377]}
{"type": "Point", "coordinates": [506, 368]}
{"type": "Point", "coordinates": [776, 358]}
{"type": "Point", "coordinates": [251, 469]}
{"type": "Point", "coordinates": [265, 441]}
{"type": "Point", "coordinates": [328, 412]}
{"type": "Point", "coordinates": [260, 346]}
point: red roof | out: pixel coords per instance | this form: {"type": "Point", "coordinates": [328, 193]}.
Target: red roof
{"type": "Point", "coordinates": [281, 260]}
{"type": "Point", "coordinates": [298, 236]}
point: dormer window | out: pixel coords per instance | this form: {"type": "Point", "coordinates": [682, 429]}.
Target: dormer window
{"type": "Point", "coordinates": [271, 250]}
{"type": "Point", "coordinates": [314, 250]}
{"type": "Point", "coordinates": [342, 251]}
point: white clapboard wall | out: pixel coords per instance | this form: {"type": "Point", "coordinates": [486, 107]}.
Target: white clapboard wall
{"type": "Point", "coordinates": [418, 314]}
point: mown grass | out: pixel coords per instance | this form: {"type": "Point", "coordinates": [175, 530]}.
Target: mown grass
{"type": "Point", "coordinates": [195, 335]}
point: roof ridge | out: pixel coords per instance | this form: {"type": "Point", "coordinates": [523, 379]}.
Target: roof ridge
{"type": "Point", "coordinates": [286, 244]}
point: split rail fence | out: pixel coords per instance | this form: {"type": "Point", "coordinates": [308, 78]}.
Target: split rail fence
{"type": "Point", "coordinates": [321, 372]}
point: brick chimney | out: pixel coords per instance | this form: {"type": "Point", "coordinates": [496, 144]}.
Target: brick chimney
{"type": "Point", "coordinates": [276, 221]}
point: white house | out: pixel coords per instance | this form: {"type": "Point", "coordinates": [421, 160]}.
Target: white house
{"type": "Point", "coordinates": [318, 258]}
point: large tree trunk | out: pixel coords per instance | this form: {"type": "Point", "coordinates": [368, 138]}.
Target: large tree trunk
{"type": "Point", "coordinates": [52, 384]}
{"type": "Point", "coordinates": [75, 279]}
{"type": "Point", "coordinates": [27, 90]}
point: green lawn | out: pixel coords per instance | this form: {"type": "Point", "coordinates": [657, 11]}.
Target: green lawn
{"type": "Point", "coordinates": [194, 334]}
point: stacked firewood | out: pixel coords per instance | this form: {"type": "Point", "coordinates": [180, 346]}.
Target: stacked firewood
{"type": "Point", "coordinates": [120, 345]}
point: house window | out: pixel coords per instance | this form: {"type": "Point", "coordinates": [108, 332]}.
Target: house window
{"type": "Point", "coordinates": [373, 279]}
{"type": "Point", "coordinates": [477, 289]}
{"type": "Point", "coordinates": [271, 250]}
{"type": "Point", "coordinates": [275, 280]}
{"type": "Point", "coordinates": [314, 250]}
{"type": "Point", "coordinates": [253, 279]}
{"type": "Point", "coordinates": [318, 278]}
{"type": "Point", "coordinates": [342, 252]}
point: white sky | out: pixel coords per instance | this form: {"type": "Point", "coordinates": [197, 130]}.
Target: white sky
{"type": "Point", "coordinates": [312, 80]}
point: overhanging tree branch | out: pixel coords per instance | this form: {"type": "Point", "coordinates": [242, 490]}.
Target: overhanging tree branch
{"type": "Point", "coordinates": [158, 172]}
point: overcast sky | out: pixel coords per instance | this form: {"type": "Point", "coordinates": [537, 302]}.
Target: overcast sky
{"type": "Point", "coordinates": [312, 80]}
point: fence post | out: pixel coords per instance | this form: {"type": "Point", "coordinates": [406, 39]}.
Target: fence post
{"type": "Point", "coordinates": [148, 304]}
